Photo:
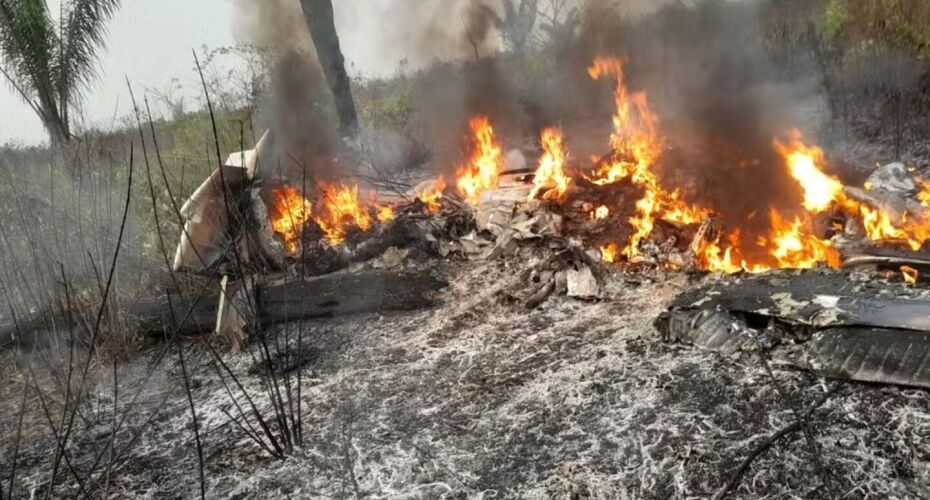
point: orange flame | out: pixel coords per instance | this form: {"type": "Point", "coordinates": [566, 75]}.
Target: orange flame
{"type": "Point", "coordinates": [804, 163]}
{"type": "Point", "coordinates": [385, 214]}
{"type": "Point", "coordinates": [486, 163]}
{"type": "Point", "coordinates": [822, 191]}
{"type": "Point", "coordinates": [341, 211]}
{"type": "Point", "coordinates": [713, 258]}
{"type": "Point", "coordinates": [910, 274]}
{"type": "Point", "coordinates": [609, 253]}
{"type": "Point", "coordinates": [550, 174]}
{"type": "Point", "coordinates": [637, 145]}
{"type": "Point", "coordinates": [796, 248]}
{"type": "Point", "coordinates": [924, 195]}
{"type": "Point", "coordinates": [791, 246]}
{"type": "Point", "coordinates": [288, 215]}
{"type": "Point", "coordinates": [431, 196]}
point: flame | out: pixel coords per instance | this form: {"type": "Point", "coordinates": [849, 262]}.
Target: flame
{"type": "Point", "coordinates": [713, 258]}
{"type": "Point", "coordinates": [797, 248]}
{"type": "Point", "coordinates": [432, 196]}
{"type": "Point", "coordinates": [550, 173]}
{"type": "Point", "coordinates": [676, 210]}
{"type": "Point", "coordinates": [924, 195]}
{"type": "Point", "coordinates": [637, 146]}
{"type": "Point", "coordinates": [609, 253]}
{"type": "Point", "coordinates": [635, 139]}
{"type": "Point", "coordinates": [600, 213]}
{"type": "Point", "coordinates": [288, 215]}
{"type": "Point", "coordinates": [385, 214]}
{"type": "Point", "coordinates": [910, 274]}
{"type": "Point", "coordinates": [642, 223]}
{"type": "Point", "coordinates": [340, 211]}
{"type": "Point", "coordinates": [486, 164]}
{"type": "Point", "coordinates": [804, 163]}
{"type": "Point", "coordinates": [792, 245]}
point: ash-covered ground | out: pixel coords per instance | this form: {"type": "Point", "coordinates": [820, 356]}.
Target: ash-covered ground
{"type": "Point", "coordinates": [479, 397]}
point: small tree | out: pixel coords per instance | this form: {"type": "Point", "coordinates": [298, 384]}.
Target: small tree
{"type": "Point", "coordinates": [50, 63]}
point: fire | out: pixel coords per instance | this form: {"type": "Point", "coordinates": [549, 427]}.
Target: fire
{"type": "Point", "coordinates": [792, 245]}
{"type": "Point", "coordinates": [486, 164]}
{"type": "Point", "coordinates": [642, 222]}
{"type": "Point", "coordinates": [822, 191]}
{"type": "Point", "coordinates": [804, 163]}
{"type": "Point", "coordinates": [550, 174]}
{"type": "Point", "coordinates": [341, 211]}
{"type": "Point", "coordinates": [677, 210]}
{"type": "Point", "coordinates": [715, 259]}
{"type": "Point", "coordinates": [385, 214]}
{"type": "Point", "coordinates": [432, 195]}
{"type": "Point", "coordinates": [609, 253]}
{"type": "Point", "coordinates": [637, 146]}
{"type": "Point", "coordinates": [910, 274]}
{"type": "Point", "coordinates": [924, 195]}
{"type": "Point", "coordinates": [796, 248]}
{"type": "Point", "coordinates": [288, 215]}
{"type": "Point", "coordinates": [600, 213]}
{"type": "Point", "coordinates": [635, 139]}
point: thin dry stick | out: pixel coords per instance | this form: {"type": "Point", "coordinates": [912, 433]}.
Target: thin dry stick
{"type": "Point", "coordinates": [190, 401]}
{"type": "Point", "coordinates": [765, 445]}
{"type": "Point", "coordinates": [19, 434]}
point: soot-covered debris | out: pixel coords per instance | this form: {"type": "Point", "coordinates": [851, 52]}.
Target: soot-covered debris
{"type": "Point", "coordinates": [834, 323]}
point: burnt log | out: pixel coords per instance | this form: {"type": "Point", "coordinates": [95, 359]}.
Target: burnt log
{"type": "Point", "coordinates": [285, 300]}
{"type": "Point", "coordinates": [278, 301]}
{"type": "Point", "coordinates": [345, 294]}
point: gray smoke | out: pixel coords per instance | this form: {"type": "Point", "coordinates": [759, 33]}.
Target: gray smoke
{"type": "Point", "coordinates": [298, 108]}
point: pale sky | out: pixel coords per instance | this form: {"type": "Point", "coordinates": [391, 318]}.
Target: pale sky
{"type": "Point", "coordinates": [150, 42]}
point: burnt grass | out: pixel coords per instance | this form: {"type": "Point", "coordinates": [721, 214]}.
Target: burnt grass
{"type": "Point", "coordinates": [478, 397]}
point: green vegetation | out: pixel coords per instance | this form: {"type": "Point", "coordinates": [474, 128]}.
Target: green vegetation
{"type": "Point", "coordinates": [50, 63]}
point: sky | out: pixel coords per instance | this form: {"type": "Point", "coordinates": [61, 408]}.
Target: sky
{"type": "Point", "coordinates": [150, 43]}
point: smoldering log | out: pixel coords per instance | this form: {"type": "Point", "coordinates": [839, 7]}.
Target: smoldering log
{"type": "Point", "coordinates": [278, 301]}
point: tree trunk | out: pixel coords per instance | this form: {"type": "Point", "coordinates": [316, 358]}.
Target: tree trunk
{"type": "Point", "coordinates": [319, 15]}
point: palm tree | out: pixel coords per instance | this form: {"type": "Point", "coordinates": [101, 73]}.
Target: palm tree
{"type": "Point", "coordinates": [50, 63]}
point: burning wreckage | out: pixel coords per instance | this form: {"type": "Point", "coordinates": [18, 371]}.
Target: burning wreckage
{"type": "Point", "coordinates": [831, 286]}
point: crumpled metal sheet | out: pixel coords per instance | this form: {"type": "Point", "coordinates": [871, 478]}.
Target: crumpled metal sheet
{"type": "Point", "coordinates": [818, 299]}
{"type": "Point", "coordinates": [880, 355]}
{"type": "Point", "coordinates": [827, 322]}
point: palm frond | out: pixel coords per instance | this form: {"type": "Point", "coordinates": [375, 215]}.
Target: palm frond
{"type": "Point", "coordinates": [84, 30]}
{"type": "Point", "coordinates": [28, 41]}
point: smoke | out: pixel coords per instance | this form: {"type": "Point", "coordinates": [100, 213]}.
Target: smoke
{"type": "Point", "coordinates": [296, 108]}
